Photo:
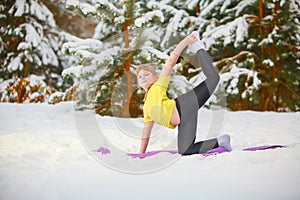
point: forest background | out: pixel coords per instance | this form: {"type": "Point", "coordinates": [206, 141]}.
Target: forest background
{"type": "Point", "coordinates": [87, 50]}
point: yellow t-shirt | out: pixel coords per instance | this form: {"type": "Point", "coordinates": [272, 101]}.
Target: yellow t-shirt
{"type": "Point", "coordinates": [158, 107]}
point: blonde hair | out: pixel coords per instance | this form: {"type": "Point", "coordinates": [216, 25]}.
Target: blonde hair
{"type": "Point", "coordinates": [145, 67]}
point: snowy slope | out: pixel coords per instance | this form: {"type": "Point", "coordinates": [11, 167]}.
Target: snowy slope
{"type": "Point", "coordinates": [43, 156]}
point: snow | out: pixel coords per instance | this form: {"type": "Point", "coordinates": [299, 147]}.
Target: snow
{"type": "Point", "coordinates": [23, 46]}
{"type": "Point", "coordinates": [235, 31]}
{"type": "Point", "coordinates": [162, 6]}
{"type": "Point", "coordinates": [44, 156]}
{"type": "Point", "coordinates": [207, 9]}
{"type": "Point", "coordinates": [72, 71]}
{"type": "Point", "coordinates": [268, 62]}
{"type": "Point", "coordinates": [20, 7]}
{"type": "Point", "coordinates": [48, 55]}
{"type": "Point", "coordinates": [233, 76]}
{"type": "Point", "coordinates": [56, 95]}
{"type": "Point", "coordinates": [242, 5]}
{"type": "Point", "coordinates": [148, 17]}
{"type": "Point", "coordinates": [15, 64]}
{"type": "Point", "coordinates": [42, 13]}
{"type": "Point", "coordinates": [87, 8]}
{"type": "Point", "coordinates": [102, 30]}
{"type": "Point", "coordinates": [91, 7]}
{"type": "Point", "coordinates": [72, 2]}
{"type": "Point", "coordinates": [157, 53]}
{"type": "Point", "coordinates": [110, 6]}
{"type": "Point", "coordinates": [76, 44]}
{"type": "Point", "coordinates": [36, 80]}
{"type": "Point", "coordinates": [31, 35]}
{"type": "Point", "coordinates": [34, 8]}
{"type": "Point", "coordinates": [120, 19]}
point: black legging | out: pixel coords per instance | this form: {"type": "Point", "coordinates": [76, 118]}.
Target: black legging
{"type": "Point", "coordinates": [188, 105]}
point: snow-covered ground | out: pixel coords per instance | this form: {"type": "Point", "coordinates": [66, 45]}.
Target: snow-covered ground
{"type": "Point", "coordinates": [45, 154]}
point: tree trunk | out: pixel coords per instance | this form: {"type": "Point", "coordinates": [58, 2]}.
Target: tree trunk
{"type": "Point", "coordinates": [127, 61]}
{"type": "Point", "coordinates": [264, 94]}
{"type": "Point", "coordinates": [261, 15]}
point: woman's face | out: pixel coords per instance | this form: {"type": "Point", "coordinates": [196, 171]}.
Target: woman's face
{"type": "Point", "coordinates": [146, 78]}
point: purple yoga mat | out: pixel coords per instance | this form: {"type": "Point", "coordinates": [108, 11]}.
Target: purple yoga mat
{"type": "Point", "coordinates": [215, 151]}
{"type": "Point", "coordinates": [264, 147]}
{"type": "Point", "coordinates": [103, 150]}
{"type": "Point", "coordinates": [151, 153]}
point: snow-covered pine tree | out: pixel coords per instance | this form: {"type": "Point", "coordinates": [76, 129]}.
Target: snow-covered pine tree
{"type": "Point", "coordinates": [256, 44]}
{"type": "Point", "coordinates": [30, 63]}
{"type": "Point", "coordinates": [153, 30]}
{"type": "Point", "coordinates": [278, 48]}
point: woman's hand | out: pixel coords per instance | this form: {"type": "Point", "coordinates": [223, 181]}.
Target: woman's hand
{"type": "Point", "coordinates": [191, 38]}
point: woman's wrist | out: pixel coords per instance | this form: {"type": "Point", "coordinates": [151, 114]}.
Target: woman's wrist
{"type": "Point", "coordinates": [179, 48]}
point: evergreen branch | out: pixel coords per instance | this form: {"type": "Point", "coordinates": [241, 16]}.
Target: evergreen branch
{"type": "Point", "coordinates": [290, 89]}
{"type": "Point", "coordinates": [108, 11]}
{"type": "Point", "coordinates": [230, 60]}
{"type": "Point", "coordinates": [110, 7]}
{"type": "Point", "coordinates": [294, 49]}
{"type": "Point", "coordinates": [162, 6]}
{"type": "Point", "coordinates": [252, 19]}
{"type": "Point", "coordinates": [103, 9]}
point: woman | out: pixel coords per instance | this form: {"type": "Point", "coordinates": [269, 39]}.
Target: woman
{"type": "Point", "coordinates": [182, 111]}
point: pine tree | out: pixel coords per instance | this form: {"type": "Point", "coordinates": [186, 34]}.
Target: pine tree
{"type": "Point", "coordinates": [256, 44]}
{"type": "Point", "coordinates": [30, 53]}
{"type": "Point", "coordinates": [258, 63]}
{"type": "Point", "coordinates": [105, 59]}
{"type": "Point", "coordinates": [279, 52]}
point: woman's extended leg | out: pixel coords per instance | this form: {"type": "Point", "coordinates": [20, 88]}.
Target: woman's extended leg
{"type": "Point", "coordinates": [188, 105]}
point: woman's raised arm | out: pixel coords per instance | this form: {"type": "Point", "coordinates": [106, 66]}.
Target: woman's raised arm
{"type": "Point", "coordinates": [172, 59]}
